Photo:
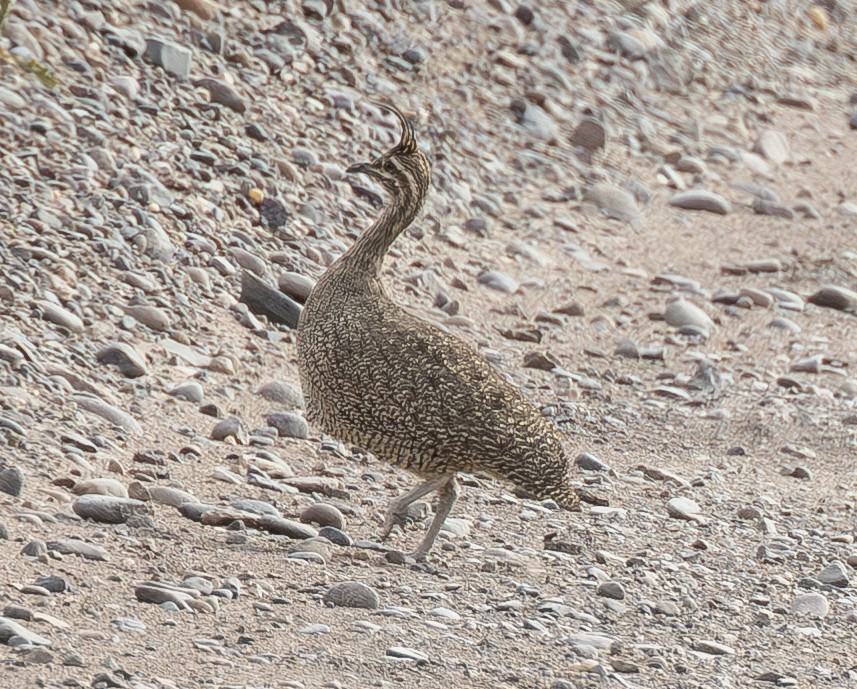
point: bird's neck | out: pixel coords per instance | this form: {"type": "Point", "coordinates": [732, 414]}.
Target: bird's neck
{"type": "Point", "coordinates": [367, 254]}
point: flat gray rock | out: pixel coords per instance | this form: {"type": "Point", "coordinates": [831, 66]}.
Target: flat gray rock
{"type": "Point", "coordinates": [124, 357]}
{"type": "Point", "coordinates": [701, 200]}
{"type": "Point", "coordinates": [11, 480]}
{"type": "Point", "coordinates": [108, 509]}
{"type": "Point", "coordinates": [811, 604]}
{"type": "Point", "coordinates": [175, 59]}
{"type": "Point", "coordinates": [352, 594]}
{"type": "Point", "coordinates": [615, 203]}
{"type": "Point", "coordinates": [10, 628]}
{"type": "Point", "coordinates": [109, 412]}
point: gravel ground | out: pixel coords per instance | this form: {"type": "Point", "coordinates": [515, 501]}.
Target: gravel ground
{"type": "Point", "coordinates": [643, 213]}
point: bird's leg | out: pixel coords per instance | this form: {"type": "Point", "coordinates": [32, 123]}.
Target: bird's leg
{"type": "Point", "coordinates": [448, 495]}
{"type": "Point", "coordinates": [398, 509]}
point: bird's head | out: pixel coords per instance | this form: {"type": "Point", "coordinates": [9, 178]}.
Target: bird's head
{"type": "Point", "coordinates": [404, 169]}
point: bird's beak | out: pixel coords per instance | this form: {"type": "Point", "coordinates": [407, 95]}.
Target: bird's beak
{"type": "Point", "coordinates": [362, 168]}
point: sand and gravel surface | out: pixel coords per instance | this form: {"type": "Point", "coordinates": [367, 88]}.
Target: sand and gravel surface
{"type": "Point", "coordinates": [644, 213]}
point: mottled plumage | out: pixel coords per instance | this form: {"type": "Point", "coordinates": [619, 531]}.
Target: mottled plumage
{"type": "Point", "coordinates": [378, 377]}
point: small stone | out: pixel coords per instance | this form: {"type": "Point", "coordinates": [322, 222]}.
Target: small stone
{"type": "Point", "coordinates": [772, 208]}
{"type": "Point", "coordinates": [282, 393]}
{"type": "Point", "coordinates": [701, 200]}
{"type": "Point", "coordinates": [11, 481]}
{"type": "Point", "coordinates": [589, 135]}
{"type": "Point", "coordinates": [834, 297]}
{"type": "Point", "coordinates": [590, 462]}
{"type": "Point", "coordinates": [324, 515]}
{"type": "Point", "coordinates": [313, 629]}
{"type": "Point", "coordinates": [499, 281]}
{"type": "Point", "coordinates": [295, 285]}
{"type": "Point", "coordinates": [286, 527]}
{"type": "Point", "coordinates": [100, 486]}
{"type": "Point", "coordinates": [150, 316]}
{"type": "Point", "coordinates": [259, 507]}
{"type": "Point", "coordinates": [190, 391]}
{"type": "Point", "coordinates": [173, 58]}
{"type": "Point", "coordinates": [112, 414]}
{"type": "Point", "coordinates": [73, 546]}
{"type": "Point", "coordinates": [614, 203]}
{"type": "Point", "coordinates": [774, 146]}
{"type": "Point", "coordinates": [683, 508]}
{"type": "Point", "coordinates": [611, 589]}
{"type": "Point", "coordinates": [9, 628]}
{"type": "Point", "coordinates": [61, 316]}
{"type": "Point", "coordinates": [108, 509]}
{"type": "Point", "coordinates": [53, 584]}
{"type": "Point", "coordinates": [35, 548]}
{"type": "Point", "coordinates": [335, 536]}
{"type": "Point", "coordinates": [204, 9]}
{"type": "Point", "coordinates": [230, 428]}
{"type": "Point", "coordinates": [223, 94]}
{"type": "Point", "coordinates": [810, 605]}
{"type": "Point", "coordinates": [352, 594]}
{"type": "Point", "coordinates": [713, 648]}
{"type": "Point", "coordinates": [407, 653]}
{"type": "Point", "coordinates": [124, 357]}
{"type": "Point", "coordinates": [834, 574]}
{"type": "Point", "coordinates": [288, 424]}
{"type": "Point", "coordinates": [668, 608]}
{"type": "Point", "coordinates": [680, 313]}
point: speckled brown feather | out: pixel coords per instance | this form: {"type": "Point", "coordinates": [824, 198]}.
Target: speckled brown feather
{"type": "Point", "coordinates": [378, 377]}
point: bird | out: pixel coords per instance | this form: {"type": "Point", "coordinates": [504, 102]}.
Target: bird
{"type": "Point", "coordinates": [378, 377]}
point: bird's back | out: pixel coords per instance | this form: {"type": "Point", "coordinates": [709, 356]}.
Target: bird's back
{"type": "Point", "coordinates": [376, 376]}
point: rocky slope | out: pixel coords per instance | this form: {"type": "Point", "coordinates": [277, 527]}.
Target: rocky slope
{"type": "Point", "coordinates": [642, 212]}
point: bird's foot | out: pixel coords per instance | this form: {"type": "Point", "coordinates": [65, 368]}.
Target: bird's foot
{"type": "Point", "coordinates": [394, 518]}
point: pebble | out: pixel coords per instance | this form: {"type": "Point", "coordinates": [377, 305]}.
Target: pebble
{"type": "Point", "coordinates": [286, 527]}
{"type": "Point", "coordinates": [10, 629]}
{"type": "Point", "coordinates": [773, 146]}
{"type": "Point", "coordinates": [288, 424]}
{"type": "Point", "coordinates": [190, 392]}
{"type": "Point", "coordinates": [295, 285]}
{"type": "Point", "coordinates": [150, 316]}
{"type": "Point", "coordinates": [810, 605]}
{"type": "Point", "coordinates": [683, 508]}
{"type": "Point", "coordinates": [590, 462]}
{"type": "Point", "coordinates": [611, 589]}
{"type": "Point", "coordinates": [283, 393]}
{"type": "Point", "coordinates": [11, 480]}
{"type": "Point", "coordinates": [834, 574]}
{"type": "Point", "coordinates": [222, 93]}
{"type": "Point", "coordinates": [407, 654]}
{"type": "Point", "coordinates": [60, 316]}
{"type": "Point", "coordinates": [834, 297]}
{"type": "Point", "coordinates": [230, 428]}
{"type": "Point", "coordinates": [499, 281]}
{"type": "Point", "coordinates": [713, 648]}
{"type": "Point", "coordinates": [701, 200]}
{"type": "Point", "coordinates": [680, 313]}
{"type": "Point", "coordinates": [109, 412]}
{"type": "Point", "coordinates": [73, 546]}
{"type": "Point", "coordinates": [323, 515]}
{"type": "Point", "coordinates": [314, 629]}
{"type": "Point", "coordinates": [259, 507]}
{"type": "Point", "coordinates": [100, 486]}
{"type": "Point", "coordinates": [124, 357]}
{"type": "Point", "coordinates": [352, 594]}
{"type": "Point", "coordinates": [335, 536]}
{"type": "Point", "coordinates": [175, 59]}
{"type": "Point", "coordinates": [107, 508]}
{"type": "Point", "coordinates": [615, 203]}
